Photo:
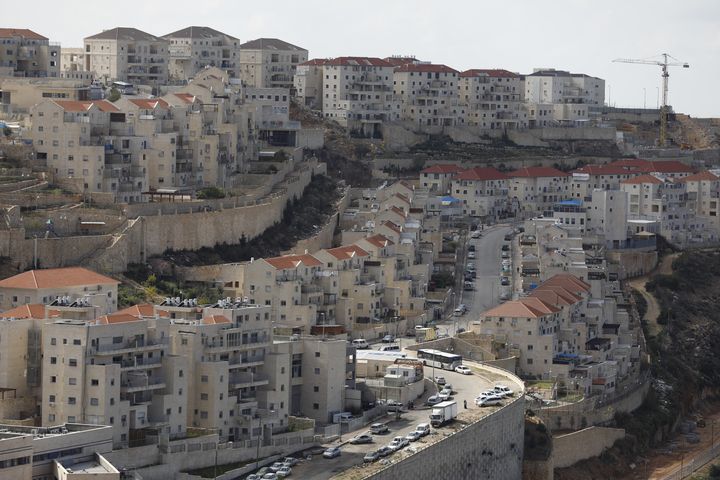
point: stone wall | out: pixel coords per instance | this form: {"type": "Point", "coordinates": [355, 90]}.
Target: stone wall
{"type": "Point", "coordinates": [587, 443]}
{"type": "Point", "coordinates": [632, 263]}
{"type": "Point", "coordinates": [491, 448]}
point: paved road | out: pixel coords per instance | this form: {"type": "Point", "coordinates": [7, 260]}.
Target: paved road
{"type": "Point", "coordinates": [467, 388]}
{"type": "Point", "coordinates": [487, 283]}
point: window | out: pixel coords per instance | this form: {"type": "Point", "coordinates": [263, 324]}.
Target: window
{"type": "Point", "coordinates": [72, 381]}
{"type": "Point", "coordinates": [204, 415]}
{"type": "Point", "coordinates": [72, 400]}
{"type": "Point", "coordinates": [317, 354]}
{"type": "Point", "coordinates": [71, 419]}
{"type": "Point", "coordinates": [316, 406]}
{"type": "Point", "coordinates": [76, 341]}
{"type": "Point", "coordinates": [72, 362]}
{"type": "Point", "coordinates": [53, 341]}
{"type": "Point", "coordinates": [204, 378]}
{"type": "Point", "coordinates": [53, 379]}
{"type": "Point", "coordinates": [203, 396]}
{"type": "Point", "coordinates": [94, 382]}
{"type": "Point", "coordinates": [51, 417]}
{"type": "Point", "coordinates": [51, 399]}
{"type": "Point", "coordinates": [53, 360]}
{"type": "Point", "coordinates": [316, 389]}
{"type": "Point", "coordinates": [317, 371]}
{"type": "Point", "coordinates": [94, 402]}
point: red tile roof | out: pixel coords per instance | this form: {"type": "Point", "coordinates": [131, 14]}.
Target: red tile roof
{"type": "Point", "coordinates": [116, 318]}
{"type": "Point", "coordinates": [392, 226]}
{"type": "Point", "coordinates": [215, 320]}
{"type": "Point", "coordinates": [149, 103]}
{"type": "Point", "coordinates": [425, 68]}
{"type": "Point", "coordinates": [539, 305]}
{"type": "Point", "coordinates": [379, 240]}
{"type": "Point", "coordinates": [293, 261]}
{"type": "Point", "coordinates": [359, 61]}
{"type": "Point", "coordinates": [492, 72]}
{"type": "Point", "coordinates": [347, 252]}
{"type": "Point", "coordinates": [185, 97]}
{"type": "Point", "coordinates": [314, 62]}
{"type": "Point", "coordinates": [514, 309]}
{"type": "Point", "coordinates": [569, 282]}
{"type": "Point", "coordinates": [534, 172]}
{"type": "Point", "coordinates": [82, 106]}
{"type": "Point", "coordinates": [443, 168]}
{"type": "Point", "coordinates": [20, 32]}
{"type": "Point", "coordinates": [56, 278]}
{"type": "Point", "coordinates": [143, 310]}
{"type": "Point", "coordinates": [481, 173]}
{"type": "Point", "coordinates": [704, 176]}
{"type": "Point", "coordinates": [35, 310]}
{"type": "Point", "coordinates": [555, 295]}
{"type": "Point", "coordinates": [635, 166]}
{"type": "Point", "coordinates": [397, 210]}
{"type": "Point", "coordinates": [644, 178]}
{"type": "Point", "coordinates": [398, 61]}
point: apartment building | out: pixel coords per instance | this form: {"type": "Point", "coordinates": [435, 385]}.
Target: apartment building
{"type": "Point", "coordinates": [19, 95]}
{"type": "Point", "coordinates": [483, 192]}
{"type": "Point", "coordinates": [703, 191]}
{"type": "Point", "coordinates": [90, 146]}
{"type": "Point", "coordinates": [44, 286]}
{"type": "Point", "coordinates": [127, 55]}
{"type": "Point", "coordinates": [438, 178]}
{"type": "Point", "coordinates": [112, 371]}
{"type": "Point", "coordinates": [309, 376]}
{"type": "Point", "coordinates": [72, 61]}
{"type": "Point", "coordinates": [536, 189]}
{"type": "Point", "coordinates": [358, 94]}
{"type": "Point", "coordinates": [193, 48]}
{"type": "Point", "coordinates": [555, 97]}
{"type": "Point", "coordinates": [270, 63]}
{"type": "Point", "coordinates": [427, 94]}
{"type": "Point", "coordinates": [45, 453]}
{"type": "Point", "coordinates": [492, 99]}
{"type": "Point", "coordinates": [308, 83]}
{"type": "Point", "coordinates": [24, 53]}
{"type": "Point", "coordinates": [226, 345]}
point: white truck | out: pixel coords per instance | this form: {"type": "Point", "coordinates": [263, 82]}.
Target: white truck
{"type": "Point", "coordinates": [443, 413]}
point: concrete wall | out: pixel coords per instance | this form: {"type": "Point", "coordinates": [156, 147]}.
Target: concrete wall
{"type": "Point", "coordinates": [491, 448]}
{"type": "Point", "coordinates": [587, 443]}
{"type": "Point", "coordinates": [592, 411]}
{"type": "Point", "coordinates": [632, 263]}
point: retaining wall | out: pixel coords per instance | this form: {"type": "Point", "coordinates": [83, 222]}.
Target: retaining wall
{"type": "Point", "coordinates": [587, 443]}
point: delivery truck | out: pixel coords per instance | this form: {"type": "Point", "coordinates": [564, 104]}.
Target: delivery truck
{"type": "Point", "coordinates": [443, 413]}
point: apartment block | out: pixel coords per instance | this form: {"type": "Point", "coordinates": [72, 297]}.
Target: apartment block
{"type": "Point", "coordinates": [358, 94]}
{"type": "Point", "coordinates": [427, 93]}
{"type": "Point", "coordinates": [72, 60]}
{"type": "Point", "coordinates": [127, 55]}
{"type": "Point", "coordinates": [194, 48]}
{"type": "Point", "coordinates": [45, 286]}
{"type": "Point", "coordinates": [536, 189]}
{"type": "Point", "coordinates": [270, 63]}
{"type": "Point", "coordinates": [24, 53]}
{"type": "Point", "coordinates": [110, 371]}
{"type": "Point", "coordinates": [555, 97]}
{"type": "Point", "coordinates": [308, 83]}
{"type": "Point", "coordinates": [483, 192]}
{"type": "Point", "coordinates": [19, 95]}
{"type": "Point", "coordinates": [438, 178]}
{"type": "Point", "coordinates": [492, 99]}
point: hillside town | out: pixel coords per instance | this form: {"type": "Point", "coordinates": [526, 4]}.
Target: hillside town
{"type": "Point", "coordinates": [195, 283]}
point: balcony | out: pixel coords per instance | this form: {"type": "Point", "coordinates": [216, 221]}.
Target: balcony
{"type": "Point", "coordinates": [220, 346]}
{"type": "Point", "coordinates": [247, 380]}
{"type": "Point", "coordinates": [140, 363]}
{"type": "Point", "coordinates": [129, 346]}
{"type": "Point", "coordinates": [246, 361]}
{"type": "Point", "coordinates": [138, 383]}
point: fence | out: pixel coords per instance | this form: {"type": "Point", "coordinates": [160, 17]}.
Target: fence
{"type": "Point", "coordinates": [693, 464]}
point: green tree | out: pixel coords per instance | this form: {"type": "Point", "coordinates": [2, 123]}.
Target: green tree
{"type": "Point", "coordinates": [114, 95]}
{"type": "Point", "coordinates": [210, 192]}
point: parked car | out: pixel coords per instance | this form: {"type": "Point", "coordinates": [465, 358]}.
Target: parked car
{"type": "Point", "coordinates": [505, 248]}
{"type": "Point", "coordinates": [440, 380]}
{"type": "Point", "coordinates": [384, 451]}
{"type": "Point", "coordinates": [470, 265]}
{"type": "Point", "coordinates": [413, 436]}
{"type": "Point", "coordinates": [398, 443]}
{"type": "Point", "coordinates": [270, 476]}
{"type": "Point", "coordinates": [443, 396]}
{"type": "Point", "coordinates": [476, 234]}
{"type": "Point", "coordinates": [371, 456]}
{"type": "Point", "coordinates": [253, 476]}
{"type": "Point", "coordinates": [488, 401]}
{"type": "Point", "coordinates": [505, 254]}
{"type": "Point", "coordinates": [360, 343]}
{"type": "Point", "coordinates": [423, 428]}
{"type": "Point", "coordinates": [463, 307]}
{"type": "Point", "coordinates": [463, 369]}
{"type": "Point", "coordinates": [505, 281]}
{"type": "Point", "coordinates": [290, 461]}
{"type": "Point", "coordinates": [471, 255]}
{"type": "Point", "coordinates": [285, 471]}
{"type": "Point", "coordinates": [276, 466]}
{"type": "Point", "coordinates": [379, 428]}
{"type": "Point", "coordinates": [362, 438]}
{"type": "Point", "coordinates": [446, 391]}
{"type": "Point", "coordinates": [388, 339]}
{"type": "Point", "coordinates": [332, 452]}
{"type": "Point", "coordinates": [458, 311]}
{"type": "Point", "coordinates": [504, 390]}
{"type": "Point", "coordinates": [393, 406]}
{"type": "Point", "coordinates": [505, 296]}
{"type": "Point", "coordinates": [433, 400]}
{"type": "Point", "coordinates": [508, 237]}
{"type": "Point", "coordinates": [471, 248]}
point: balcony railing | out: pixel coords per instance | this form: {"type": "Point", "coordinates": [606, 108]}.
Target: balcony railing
{"type": "Point", "coordinates": [129, 345]}
{"type": "Point", "coordinates": [247, 379]}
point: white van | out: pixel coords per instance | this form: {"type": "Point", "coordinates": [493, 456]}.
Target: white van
{"type": "Point", "coordinates": [360, 343]}
{"type": "Point", "coordinates": [390, 348]}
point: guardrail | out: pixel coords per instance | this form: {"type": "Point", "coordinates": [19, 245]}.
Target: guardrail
{"type": "Point", "coordinates": [693, 464]}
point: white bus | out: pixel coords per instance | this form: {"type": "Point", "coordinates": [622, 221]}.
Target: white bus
{"type": "Point", "coordinates": [439, 359]}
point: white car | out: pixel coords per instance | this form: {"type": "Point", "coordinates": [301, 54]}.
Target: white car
{"type": "Point", "coordinates": [284, 472]}
{"type": "Point", "coordinates": [440, 380]}
{"type": "Point", "coordinates": [276, 466]}
{"type": "Point", "coordinates": [489, 401]}
{"type": "Point", "coordinates": [290, 461]}
{"type": "Point", "coordinates": [471, 255]}
{"type": "Point", "coordinates": [270, 476]}
{"type": "Point", "coordinates": [413, 436]}
{"type": "Point", "coordinates": [463, 369]}
{"type": "Point", "coordinates": [504, 390]}
{"type": "Point", "coordinates": [476, 234]}
{"type": "Point", "coordinates": [444, 397]}
{"type": "Point", "coordinates": [423, 429]}
{"type": "Point", "coordinates": [433, 400]}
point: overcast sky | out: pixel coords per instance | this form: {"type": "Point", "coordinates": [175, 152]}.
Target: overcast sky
{"type": "Point", "coordinates": [577, 35]}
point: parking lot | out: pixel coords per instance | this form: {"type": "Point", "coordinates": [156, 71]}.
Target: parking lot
{"type": "Point", "coordinates": [467, 388]}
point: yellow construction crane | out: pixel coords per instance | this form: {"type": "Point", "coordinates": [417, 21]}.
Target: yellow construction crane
{"type": "Point", "coordinates": [665, 75]}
